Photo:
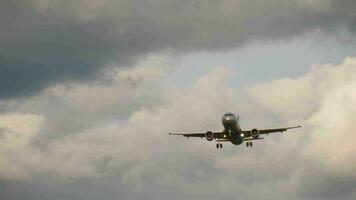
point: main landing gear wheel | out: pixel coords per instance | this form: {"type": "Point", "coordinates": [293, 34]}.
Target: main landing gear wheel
{"type": "Point", "coordinates": [220, 145]}
{"type": "Point", "coordinates": [249, 144]}
{"type": "Point", "coordinates": [217, 145]}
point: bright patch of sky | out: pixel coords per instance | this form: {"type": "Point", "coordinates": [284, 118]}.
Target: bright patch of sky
{"type": "Point", "coordinates": [263, 61]}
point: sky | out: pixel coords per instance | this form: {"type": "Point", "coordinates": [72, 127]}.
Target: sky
{"type": "Point", "coordinates": [90, 89]}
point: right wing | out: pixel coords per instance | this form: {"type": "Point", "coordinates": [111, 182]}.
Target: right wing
{"type": "Point", "coordinates": [201, 135]}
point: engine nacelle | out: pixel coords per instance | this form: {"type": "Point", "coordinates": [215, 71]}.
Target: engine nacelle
{"type": "Point", "coordinates": [255, 133]}
{"type": "Point", "coordinates": [209, 135]}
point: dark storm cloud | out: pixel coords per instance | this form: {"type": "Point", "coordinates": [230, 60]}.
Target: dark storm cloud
{"type": "Point", "coordinates": [38, 49]}
{"type": "Point", "coordinates": [44, 42]}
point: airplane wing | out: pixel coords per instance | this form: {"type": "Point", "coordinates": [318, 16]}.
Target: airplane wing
{"type": "Point", "coordinates": [201, 135]}
{"type": "Point", "coordinates": [247, 133]}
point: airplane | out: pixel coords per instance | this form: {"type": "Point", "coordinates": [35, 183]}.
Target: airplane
{"type": "Point", "coordinates": [233, 133]}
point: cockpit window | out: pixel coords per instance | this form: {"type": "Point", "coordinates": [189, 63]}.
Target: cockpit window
{"type": "Point", "coordinates": [229, 114]}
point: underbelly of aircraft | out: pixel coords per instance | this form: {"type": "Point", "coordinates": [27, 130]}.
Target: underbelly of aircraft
{"type": "Point", "coordinates": [233, 134]}
{"type": "Point", "coordinates": [237, 141]}
{"type": "Point", "coordinates": [236, 138]}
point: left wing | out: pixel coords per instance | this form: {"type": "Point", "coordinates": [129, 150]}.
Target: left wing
{"type": "Point", "coordinates": [275, 130]}
{"type": "Point", "coordinates": [268, 131]}
{"type": "Point", "coordinates": [201, 135]}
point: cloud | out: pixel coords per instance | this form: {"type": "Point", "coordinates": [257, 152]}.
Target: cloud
{"type": "Point", "coordinates": [134, 152]}
{"type": "Point", "coordinates": [302, 95]}
{"type": "Point", "coordinates": [47, 42]}
{"type": "Point", "coordinates": [67, 115]}
{"type": "Point", "coordinates": [17, 130]}
{"type": "Point", "coordinates": [325, 99]}
{"type": "Point", "coordinates": [143, 129]}
{"type": "Point", "coordinates": [133, 157]}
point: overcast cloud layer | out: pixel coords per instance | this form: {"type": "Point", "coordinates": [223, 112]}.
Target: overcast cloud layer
{"type": "Point", "coordinates": [87, 99]}
{"type": "Point", "coordinates": [45, 42]}
{"type": "Point", "coordinates": [134, 159]}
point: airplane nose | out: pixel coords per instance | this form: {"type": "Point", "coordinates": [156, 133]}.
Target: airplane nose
{"type": "Point", "coordinates": [227, 121]}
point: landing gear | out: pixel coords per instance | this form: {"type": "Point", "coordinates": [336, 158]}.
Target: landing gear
{"type": "Point", "coordinates": [249, 144]}
{"type": "Point", "coordinates": [219, 145]}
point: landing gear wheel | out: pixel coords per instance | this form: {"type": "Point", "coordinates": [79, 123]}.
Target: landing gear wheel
{"type": "Point", "coordinates": [217, 145]}
{"type": "Point", "coordinates": [220, 145]}
{"type": "Point", "coordinates": [251, 144]}
{"type": "Point", "coordinates": [247, 144]}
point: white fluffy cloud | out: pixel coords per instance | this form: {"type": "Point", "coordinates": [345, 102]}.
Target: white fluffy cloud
{"type": "Point", "coordinates": [109, 143]}
{"type": "Point", "coordinates": [16, 132]}
{"type": "Point", "coordinates": [325, 98]}
{"type": "Point", "coordinates": [302, 95]}
{"type": "Point", "coordinates": [143, 159]}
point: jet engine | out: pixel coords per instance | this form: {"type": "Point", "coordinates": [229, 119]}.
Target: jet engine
{"type": "Point", "coordinates": [255, 133]}
{"type": "Point", "coordinates": [209, 136]}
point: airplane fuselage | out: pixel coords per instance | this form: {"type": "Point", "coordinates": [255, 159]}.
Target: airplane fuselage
{"type": "Point", "coordinates": [232, 128]}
